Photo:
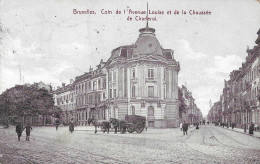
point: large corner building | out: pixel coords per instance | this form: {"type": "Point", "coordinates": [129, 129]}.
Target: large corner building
{"type": "Point", "coordinates": [138, 79]}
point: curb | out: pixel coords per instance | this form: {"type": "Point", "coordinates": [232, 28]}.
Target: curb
{"type": "Point", "coordinates": [242, 133]}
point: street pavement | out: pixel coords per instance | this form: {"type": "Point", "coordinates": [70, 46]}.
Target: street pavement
{"type": "Point", "coordinates": [209, 144]}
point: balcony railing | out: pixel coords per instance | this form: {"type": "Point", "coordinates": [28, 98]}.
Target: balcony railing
{"type": "Point", "coordinates": [150, 79]}
{"type": "Point", "coordinates": [150, 118]}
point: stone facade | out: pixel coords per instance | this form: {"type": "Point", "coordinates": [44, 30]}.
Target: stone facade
{"type": "Point", "coordinates": [239, 101]}
{"type": "Point", "coordinates": [138, 79]}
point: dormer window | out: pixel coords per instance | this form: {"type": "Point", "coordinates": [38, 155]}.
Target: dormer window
{"type": "Point", "coordinates": [123, 52]}
{"type": "Point", "coordinates": [168, 55]}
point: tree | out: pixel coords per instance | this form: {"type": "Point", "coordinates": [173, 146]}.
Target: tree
{"type": "Point", "coordinates": [23, 101]}
{"type": "Point", "coordinates": [182, 106]}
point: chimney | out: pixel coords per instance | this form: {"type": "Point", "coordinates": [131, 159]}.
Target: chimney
{"type": "Point", "coordinates": [63, 84]}
{"type": "Point", "coordinates": [71, 81]}
{"type": "Point", "coordinates": [90, 69]}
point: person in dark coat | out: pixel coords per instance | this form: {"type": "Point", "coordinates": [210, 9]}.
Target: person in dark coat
{"type": "Point", "coordinates": [185, 128]}
{"type": "Point", "coordinates": [251, 128]}
{"type": "Point", "coordinates": [96, 124]}
{"type": "Point", "coordinates": [116, 126]}
{"type": "Point", "coordinates": [233, 125]}
{"type": "Point", "coordinates": [197, 126]}
{"type": "Point", "coordinates": [19, 130]}
{"type": "Point", "coordinates": [71, 126]}
{"type": "Point", "coordinates": [57, 123]}
{"type": "Point", "coordinates": [28, 131]}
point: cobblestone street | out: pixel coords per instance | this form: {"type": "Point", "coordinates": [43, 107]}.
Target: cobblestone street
{"type": "Point", "coordinates": [209, 144]}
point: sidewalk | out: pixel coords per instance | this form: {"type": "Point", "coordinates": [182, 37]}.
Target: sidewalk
{"type": "Point", "coordinates": [239, 130]}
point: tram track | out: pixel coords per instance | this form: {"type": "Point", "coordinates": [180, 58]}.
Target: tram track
{"type": "Point", "coordinates": [17, 154]}
{"type": "Point", "coordinates": [83, 152]}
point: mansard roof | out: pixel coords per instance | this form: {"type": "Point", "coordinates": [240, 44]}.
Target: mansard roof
{"type": "Point", "coordinates": [146, 45]}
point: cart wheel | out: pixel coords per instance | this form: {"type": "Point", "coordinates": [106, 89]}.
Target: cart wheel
{"type": "Point", "coordinates": [131, 129]}
{"type": "Point", "coordinates": [139, 127]}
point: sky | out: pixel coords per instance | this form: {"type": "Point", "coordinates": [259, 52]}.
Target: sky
{"type": "Point", "coordinates": [44, 41]}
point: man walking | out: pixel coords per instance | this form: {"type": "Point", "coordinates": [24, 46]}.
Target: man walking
{"type": "Point", "coordinates": [251, 128]}
{"type": "Point", "coordinates": [19, 130]}
{"type": "Point", "coordinates": [57, 123]}
{"type": "Point", "coordinates": [181, 126]}
{"type": "Point", "coordinates": [185, 128]}
{"type": "Point", "coordinates": [28, 131]}
{"type": "Point", "coordinates": [116, 126]}
{"type": "Point", "coordinates": [71, 126]}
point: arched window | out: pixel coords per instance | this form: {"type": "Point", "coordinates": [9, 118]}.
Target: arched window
{"type": "Point", "coordinates": [133, 110]}
{"type": "Point", "coordinates": [150, 111]}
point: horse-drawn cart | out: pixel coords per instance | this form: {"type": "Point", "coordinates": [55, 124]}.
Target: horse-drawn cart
{"type": "Point", "coordinates": [131, 123]}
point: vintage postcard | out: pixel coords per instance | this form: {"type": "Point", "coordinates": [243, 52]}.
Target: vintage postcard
{"type": "Point", "coordinates": [130, 81]}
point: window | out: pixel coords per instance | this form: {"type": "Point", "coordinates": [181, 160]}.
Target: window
{"type": "Point", "coordinates": [104, 96]}
{"type": "Point", "coordinates": [94, 85]}
{"type": "Point", "coordinates": [89, 85]}
{"type": "Point", "coordinates": [133, 91]}
{"type": "Point", "coordinates": [110, 76]}
{"type": "Point", "coordinates": [150, 111]}
{"type": "Point", "coordinates": [114, 77]}
{"type": "Point", "coordinates": [159, 104]}
{"type": "Point", "coordinates": [99, 84]}
{"type": "Point", "coordinates": [114, 93]}
{"type": "Point", "coordinates": [99, 98]}
{"type": "Point", "coordinates": [133, 110]}
{"type": "Point", "coordinates": [150, 91]}
{"type": "Point", "coordinates": [164, 74]}
{"type": "Point", "coordinates": [133, 73]}
{"type": "Point", "coordinates": [142, 104]}
{"type": "Point", "coordinates": [124, 52]}
{"type": "Point", "coordinates": [104, 83]}
{"type": "Point", "coordinates": [150, 73]}
{"type": "Point", "coordinates": [164, 92]}
{"type": "Point", "coordinates": [90, 99]}
{"type": "Point", "coordinates": [110, 93]}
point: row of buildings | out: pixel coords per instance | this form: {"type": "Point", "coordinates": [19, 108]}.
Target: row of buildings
{"type": "Point", "coordinates": [188, 110]}
{"type": "Point", "coordinates": [138, 79]}
{"type": "Point", "coordinates": [240, 100]}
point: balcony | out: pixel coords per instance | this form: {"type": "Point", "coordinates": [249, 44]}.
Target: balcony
{"type": "Point", "coordinates": [150, 80]}
{"type": "Point", "coordinates": [150, 118]}
{"type": "Point", "coordinates": [134, 80]}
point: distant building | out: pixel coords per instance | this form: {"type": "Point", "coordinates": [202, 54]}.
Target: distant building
{"type": "Point", "coordinates": [189, 112]}
{"type": "Point", "coordinates": [240, 99]}
{"type": "Point", "coordinates": [64, 97]}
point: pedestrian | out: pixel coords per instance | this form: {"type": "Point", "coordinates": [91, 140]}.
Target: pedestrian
{"type": "Point", "coordinates": [181, 126]}
{"type": "Point", "coordinates": [19, 130]}
{"type": "Point", "coordinates": [71, 126]}
{"type": "Point", "coordinates": [185, 128]}
{"type": "Point", "coordinates": [251, 128]}
{"type": "Point", "coordinates": [95, 122]}
{"type": "Point", "coordinates": [256, 127]}
{"type": "Point", "coordinates": [227, 125]}
{"type": "Point", "coordinates": [116, 126]}
{"type": "Point", "coordinates": [233, 125]}
{"type": "Point", "coordinates": [57, 123]}
{"type": "Point", "coordinates": [197, 127]}
{"type": "Point", "coordinates": [28, 131]}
